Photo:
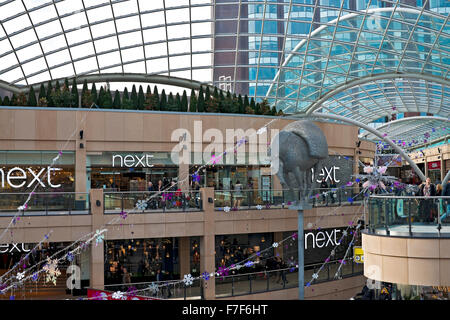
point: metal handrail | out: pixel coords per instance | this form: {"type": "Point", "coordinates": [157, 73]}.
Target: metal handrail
{"type": "Point", "coordinates": [37, 193]}
{"type": "Point", "coordinates": [408, 197]}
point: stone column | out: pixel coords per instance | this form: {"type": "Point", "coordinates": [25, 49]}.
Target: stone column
{"type": "Point", "coordinates": [97, 264]}
{"type": "Point", "coordinates": [183, 177]}
{"type": "Point", "coordinates": [207, 243]}
{"type": "Point", "coordinates": [80, 162]}
{"type": "Point", "coordinates": [184, 252]}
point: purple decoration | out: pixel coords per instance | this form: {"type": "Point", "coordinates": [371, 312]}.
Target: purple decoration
{"type": "Point", "coordinates": [248, 264]}
{"type": "Point", "coordinates": [295, 236]}
{"type": "Point", "coordinates": [292, 269]}
{"type": "Point", "coordinates": [196, 177]}
{"type": "Point", "coordinates": [123, 215]}
{"type": "Point", "coordinates": [223, 271]}
{"type": "Point", "coordinates": [350, 200]}
{"type": "Point", "coordinates": [358, 180]}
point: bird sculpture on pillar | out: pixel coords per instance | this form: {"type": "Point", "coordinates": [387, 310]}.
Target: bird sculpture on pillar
{"type": "Point", "coordinates": [298, 148]}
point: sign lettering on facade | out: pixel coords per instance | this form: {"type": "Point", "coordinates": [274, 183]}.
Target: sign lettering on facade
{"type": "Point", "coordinates": [17, 177]}
{"type": "Point", "coordinates": [132, 161]}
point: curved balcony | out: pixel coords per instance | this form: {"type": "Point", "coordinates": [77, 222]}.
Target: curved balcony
{"type": "Point", "coordinates": [408, 216]}
{"type": "Point", "coordinates": [407, 240]}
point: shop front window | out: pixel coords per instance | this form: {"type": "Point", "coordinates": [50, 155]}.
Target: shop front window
{"type": "Point", "coordinates": [232, 249]}
{"type": "Point", "coordinates": [195, 256]}
{"type": "Point", "coordinates": [144, 260]}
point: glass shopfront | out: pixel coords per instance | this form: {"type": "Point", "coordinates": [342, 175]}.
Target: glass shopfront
{"type": "Point", "coordinates": [129, 171]}
{"type": "Point", "coordinates": [231, 249]}
{"type": "Point", "coordinates": [22, 171]}
{"type": "Point", "coordinates": [143, 259]}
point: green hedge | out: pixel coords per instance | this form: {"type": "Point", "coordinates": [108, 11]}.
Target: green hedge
{"type": "Point", "coordinates": [204, 101]}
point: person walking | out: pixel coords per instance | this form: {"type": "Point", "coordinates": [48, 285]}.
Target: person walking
{"type": "Point", "coordinates": [426, 206]}
{"type": "Point", "coordinates": [446, 193]}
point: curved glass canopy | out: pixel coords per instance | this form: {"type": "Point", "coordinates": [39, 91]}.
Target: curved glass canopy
{"type": "Point", "coordinates": [412, 132]}
{"type": "Point", "coordinates": [44, 40]}
{"type": "Point", "coordinates": [357, 46]}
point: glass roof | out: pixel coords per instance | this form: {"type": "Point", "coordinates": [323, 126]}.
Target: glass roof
{"type": "Point", "coordinates": [361, 45]}
{"type": "Point", "coordinates": [409, 133]}
{"type": "Point", "coordinates": [44, 40]}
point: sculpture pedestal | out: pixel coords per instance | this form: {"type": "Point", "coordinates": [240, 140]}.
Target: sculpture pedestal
{"type": "Point", "coordinates": [300, 207]}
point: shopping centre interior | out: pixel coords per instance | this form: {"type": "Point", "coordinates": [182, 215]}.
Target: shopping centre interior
{"type": "Point", "coordinates": [139, 154]}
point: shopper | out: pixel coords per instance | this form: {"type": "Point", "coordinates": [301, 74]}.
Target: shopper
{"type": "Point", "coordinates": [237, 194]}
{"type": "Point", "coordinates": [126, 279]}
{"type": "Point", "coordinates": [446, 193]}
{"type": "Point", "coordinates": [426, 206]}
{"type": "Point", "coordinates": [333, 191]}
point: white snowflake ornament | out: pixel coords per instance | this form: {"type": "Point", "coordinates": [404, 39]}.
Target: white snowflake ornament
{"type": "Point", "coordinates": [188, 279]}
{"type": "Point", "coordinates": [141, 205]}
{"type": "Point", "coordinates": [20, 275]}
{"type": "Point", "coordinates": [51, 270]}
{"type": "Point", "coordinates": [154, 288]}
{"type": "Point", "coordinates": [259, 207]}
{"type": "Point", "coordinates": [315, 275]}
{"type": "Point", "coordinates": [275, 245]}
{"type": "Point", "coordinates": [226, 209]}
{"type": "Point", "coordinates": [117, 295]}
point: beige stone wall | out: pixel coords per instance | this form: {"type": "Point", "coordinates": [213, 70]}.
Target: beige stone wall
{"type": "Point", "coordinates": [409, 261]}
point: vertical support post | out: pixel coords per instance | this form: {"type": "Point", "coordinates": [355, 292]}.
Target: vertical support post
{"type": "Point", "coordinates": [97, 269]}
{"type": "Point", "coordinates": [301, 259]}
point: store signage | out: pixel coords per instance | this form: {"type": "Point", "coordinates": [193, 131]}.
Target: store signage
{"type": "Point", "coordinates": [132, 161]}
{"type": "Point", "coordinates": [17, 177]}
{"type": "Point", "coordinates": [321, 239]}
{"type": "Point", "coordinates": [329, 173]}
{"type": "Point", "coordinates": [10, 247]}
{"type": "Point", "coordinates": [358, 254]}
{"type": "Point", "coordinates": [435, 165]}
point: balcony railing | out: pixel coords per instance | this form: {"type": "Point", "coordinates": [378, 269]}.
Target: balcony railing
{"type": "Point", "coordinates": [409, 216]}
{"type": "Point", "coordinates": [264, 281]}
{"type": "Point", "coordinates": [278, 199]}
{"type": "Point", "coordinates": [45, 203]}
{"type": "Point", "coordinates": [152, 201]}
{"type": "Point", "coordinates": [171, 289]}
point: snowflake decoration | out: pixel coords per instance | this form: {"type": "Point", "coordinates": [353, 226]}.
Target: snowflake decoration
{"type": "Point", "coordinates": [141, 205]}
{"type": "Point", "coordinates": [275, 245]}
{"type": "Point", "coordinates": [117, 295]}
{"type": "Point", "coordinates": [20, 275]}
{"type": "Point", "coordinates": [295, 235]}
{"type": "Point", "coordinates": [52, 271]}
{"type": "Point", "coordinates": [205, 276]}
{"type": "Point", "coordinates": [2, 287]}
{"type": "Point", "coordinates": [238, 267]}
{"type": "Point", "coordinates": [344, 233]}
{"type": "Point", "coordinates": [188, 279]}
{"type": "Point", "coordinates": [259, 207]}
{"type": "Point", "coordinates": [226, 209]}
{"type": "Point", "coordinates": [315, 276]}
{"type": "Point", "coordinates": [223, 271]}
{"type": "Point", "coordinates": [35, 277]}
{"type": "Point", "coordinates": [99, 237]}
{"type": "Point", "coordinates": [153, 288]}
{"type": "Point", "coordinates": [248, 264]}
{"type": "Point", "coordinates": [70, 256]}
{"type": "Point", "coordinates": [123, 215]}
{"type": "Point", "coordinates": [131, 291]}
{"type": "Point", "coordinates": [195, 177]}
{"type": "Point", "coordinates": [268, 206]}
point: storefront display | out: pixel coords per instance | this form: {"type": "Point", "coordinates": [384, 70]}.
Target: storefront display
{"type": "Point", "coordinates": [143, 259]}
{"type": "Point", "coordinates": [129, 171]}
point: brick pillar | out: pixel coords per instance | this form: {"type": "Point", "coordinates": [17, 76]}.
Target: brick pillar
{"type": "Point", "coordinates": [207, 243]}
{"type": "Point", "coordinates": [184, 252]}
{"type": "Point", "coordinates": [97, 264]}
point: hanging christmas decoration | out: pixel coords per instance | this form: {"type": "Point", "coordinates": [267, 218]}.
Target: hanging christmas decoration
{"type": "Point", "coordinates": [51, 270]}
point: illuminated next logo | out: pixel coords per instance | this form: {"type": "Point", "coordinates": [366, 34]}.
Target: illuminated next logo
{"type": "Point", "coordinates": [17, 177]}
